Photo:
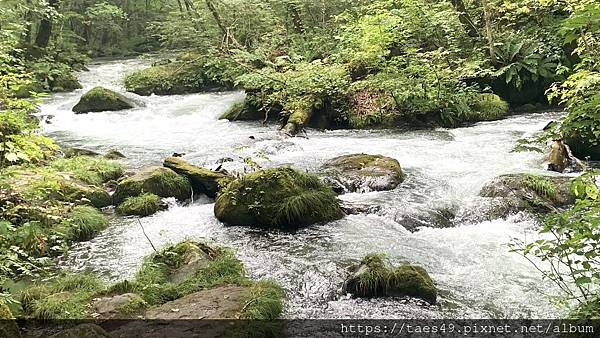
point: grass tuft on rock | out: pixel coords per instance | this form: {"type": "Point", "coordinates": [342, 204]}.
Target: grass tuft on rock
{"type": "Point", "coordinates": [144, 205]}
{"type": "Point", "coordinates": [488, 107]}
{"type": "Point", "coordinates": [374, 277]}
{"type": "Point", "coordinates": [279, 198]}
{"type": "Point", "coordinates": [84, 222]}
{"type": "Point", "coordinates": [65, 297]}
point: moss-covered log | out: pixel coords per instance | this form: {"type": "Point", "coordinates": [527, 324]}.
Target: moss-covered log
{"type": "Point", "coordinates": [203, 180]}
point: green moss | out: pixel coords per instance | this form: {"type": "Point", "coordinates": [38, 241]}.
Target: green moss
{"type": "Point", "coordinates": [66, 297]}
{"type": "Point", "coordinates": [488, 107]}
{"type": "Point", "coordinates": [203, 180]}
{"type": "Point", "coordinates": [91, 170]}
{"type": "Point", "coordinates": [277, 197]}
{"type": "Point", "coordinates": [101, 99]}
{"type": "Point", "coordinates": [65, 82]}
{"type": "Point", "coordinates": [375, 278]}
{"type": "Point", "coordinates": [84, 222]}
{"type": "Point", "coordinates": [143, 205]}
{"type": "Point", "coordinates": [160, 181]}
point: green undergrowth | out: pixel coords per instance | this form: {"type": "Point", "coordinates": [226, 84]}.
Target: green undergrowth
{"type": "Point", "coordinates": [65, 297]}
{"type": "Point", "coordinates": [91, 170]}
{"type": "Point", "coordinates": [144, 205]}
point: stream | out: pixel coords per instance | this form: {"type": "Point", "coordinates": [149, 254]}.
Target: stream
{"type": "Point", "coordinates": [476, 274]}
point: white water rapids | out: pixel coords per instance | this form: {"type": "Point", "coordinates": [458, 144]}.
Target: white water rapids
{"type": "Point", "coordinates": [470, 262]}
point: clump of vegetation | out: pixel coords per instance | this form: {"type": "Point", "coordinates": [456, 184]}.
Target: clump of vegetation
{"type": "Point", "coordinates": [277, 197]}
{"type": "Point", "coordinates": [374, 277]}
{"type": "Point", "coordinates": [160, 181]}
{"type": "Point", "coordinates": [64, 297]}
{"type": "Point", "coordinates": [144, 205]}
{"type": "Point", "coordinates": [100, 99]}
{"type": "Point", "coordinates": [542, 185]}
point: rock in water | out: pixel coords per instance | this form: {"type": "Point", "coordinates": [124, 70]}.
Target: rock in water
{"type": "Point", "coordinates": [518, 192]}
{"type": "Point", "coordinates": [101, 99]}
{"type": "Point", "coordinates": [362, 173]}
{"type": "Point", "coordinates": [561, 158]}
{"type": "Point", "coordinates": [277, 198]}
{"type": "Point", "coordinates": [203, 180]}
{"type": "Point", "coordinates": [83, 331]}
{"type": "Point", "coordinates": [374, 277]}
{"type": "Point", "coordinates": [160, 181]}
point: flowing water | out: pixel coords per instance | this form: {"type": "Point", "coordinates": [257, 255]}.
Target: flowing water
{"type": "Point", "coordinates": [470, 261]}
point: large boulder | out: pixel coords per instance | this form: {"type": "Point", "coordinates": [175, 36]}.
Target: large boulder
{"type": "Point", "coordinates": [520, 192]}
{"type": "Point", "coordinates": [374, 277]}
{"type": "Point", "coordinates": [362, 173]}
{"type": "Point", "coordinates": [277, 198]}
{"type": "Point", "coordinates": [203, 180]}
{"type": "Point", "coordinates": [101, 99]}
{"type": "Point", "coordinates": [160, 181]}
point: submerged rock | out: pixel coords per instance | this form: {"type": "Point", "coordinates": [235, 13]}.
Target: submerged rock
{"type": "Point", "coordinates": [374, 277]}
{"type": "Point", "coordinates": [519, 192]}
{"type": "Point", "coordinates": [114, 155]}
{"type": "Point", "coordinates": [160, 181]}
{"type": "Point", "coordinates": [203, 180]}
{"type": "Point", "coordinates": [101, 99]}
{"type": "Point", "coordinates": [277, 198]}
{"type": "Point", "coordinates": [439, 217]}
{"type": "Point", "coordinates": [362, 173]}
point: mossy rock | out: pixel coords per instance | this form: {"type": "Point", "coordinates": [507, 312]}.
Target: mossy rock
{"type": "Point", "coordinates": [114, 155]}
{"type": "Point", "coordinates": [374, 277]}
{"type": "Point", "coordinates": [101, 99]}
{"type": "Point", "coordinates": [488, 107]}
{"type": "Point", "coordinates": [65, 83]}
{"type": "Point", "coordinates": [73, 152]}
{"type": "Point", "coordinates": [362, 173]}
{"type": "Point", "coordinates": [520, 192]}
{"type": "Point", "coordinates": [144, 205]}
{"type": "Point", "coordinates": [172, 79]}
{"type": "Point", "coordinates": [8, 327]}
{"type": "Point", "coordinates": [78, 192]}
{"type": "Point", "coordinates": [159, 181]}
{"type": "Point", "coordinates": [277, 198]}
{"type": "Point", "coordinates": [243, 111]}
{"type": "Point", "coordinates": [83, 331]}
{"type": "Point", "coordinates": [203, 180]}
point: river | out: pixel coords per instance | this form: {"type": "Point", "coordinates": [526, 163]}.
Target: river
{"type": "Point", "coordinates": [470, 262]}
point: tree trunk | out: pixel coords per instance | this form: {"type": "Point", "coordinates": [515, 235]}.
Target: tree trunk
{"type": "Point", "coordinates": [296, 18]}
{"type": "Point", "coordinates": [465, 18]}
{"type": "Point", "coordinates": [216, 16]}
{"type": "Point", "coordinates": [487, 17]}
{"type": "Point", "coordinates": [45, 29]}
